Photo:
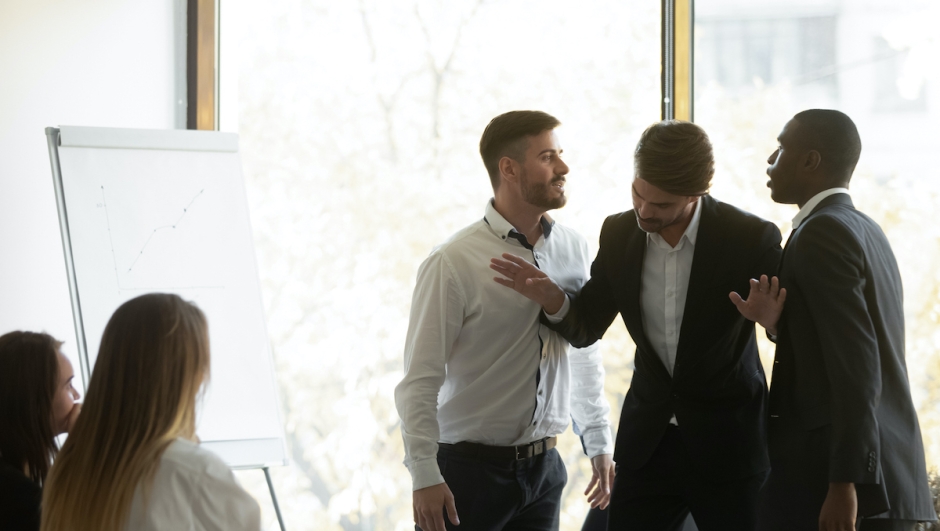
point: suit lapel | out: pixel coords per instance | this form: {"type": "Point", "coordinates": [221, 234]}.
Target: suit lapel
{"type": "Point", "coordinates": [706, 257]}
{"type": "Point", "coordinates": [631, 263]}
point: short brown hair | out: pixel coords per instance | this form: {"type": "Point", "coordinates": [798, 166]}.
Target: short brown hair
{"type": "Point", "coordinates": [676, 157]}
{"type": "Point", "coordinates": [505, 136]}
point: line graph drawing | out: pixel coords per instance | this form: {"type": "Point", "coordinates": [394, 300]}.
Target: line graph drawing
{"type": "Point", "coordinates": [104, 203]}
{"type": "Point", "coordinates": [140, 253]}
{"type": "Point", "coordinates": [171, 226]}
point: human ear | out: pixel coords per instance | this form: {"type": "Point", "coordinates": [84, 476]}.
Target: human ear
{"type": "Point", "coordinates": [812, 160]}
{"type": "Point", "coordinates": [508, 169]}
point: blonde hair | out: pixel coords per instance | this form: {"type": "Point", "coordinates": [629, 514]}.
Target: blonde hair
{"type": "Point", "coordinates": [153, 359]}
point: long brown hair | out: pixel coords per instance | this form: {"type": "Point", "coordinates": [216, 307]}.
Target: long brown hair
{"type": "Point", "coordinates": [153, 359]}
{"type": "Point", "coordinates": [29, 372]}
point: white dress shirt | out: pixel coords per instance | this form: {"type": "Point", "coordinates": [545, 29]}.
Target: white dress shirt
{"type": "Point", "coordinates": [193, 490]}
{"type": "Point", "coordinates": [479, 366]}
{"type": "Point", "coordinates": [813, 203]}
{"type": "Point", "coordinates": [664, 284]}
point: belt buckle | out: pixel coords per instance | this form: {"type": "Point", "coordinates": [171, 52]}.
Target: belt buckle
{"type": "Point", "coordinates": [516, 448]}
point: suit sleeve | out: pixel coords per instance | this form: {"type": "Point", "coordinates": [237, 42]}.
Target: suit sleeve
{"type": "Point", "coordinates": [831, 273]}
{"type": "Point", "coordinates": [594, 307]}
{"type": "Point", "coordinates": [769, 263]}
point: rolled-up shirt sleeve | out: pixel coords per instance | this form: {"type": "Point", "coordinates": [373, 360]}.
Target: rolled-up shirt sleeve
{"type": "Point", "coordinates": [437, 309]}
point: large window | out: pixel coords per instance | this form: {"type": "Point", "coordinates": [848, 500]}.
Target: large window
{"type": "Point", "coordinates": [757, 65]}
{"type": "Point", "coordinates": [360, 124]}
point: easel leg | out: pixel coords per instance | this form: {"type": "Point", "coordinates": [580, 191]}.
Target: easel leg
{"type": "Point", "coordinates": [277, 508]}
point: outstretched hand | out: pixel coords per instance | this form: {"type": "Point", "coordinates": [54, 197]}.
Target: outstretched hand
{"type": "Point", "coordinates": [528, 280]}
{"type": "Point", "coordinates": [764, 303]}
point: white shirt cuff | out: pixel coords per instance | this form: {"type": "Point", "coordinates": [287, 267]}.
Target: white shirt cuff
{"type": "Point", "coordinates": [597, 441]}
{"type": "Point", "coordinates": [425, 473]}
{"type": "Point", "coordinates": [561, 313]}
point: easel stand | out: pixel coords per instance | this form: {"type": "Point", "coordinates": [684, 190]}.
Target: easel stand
{"type": "Point", "coordinates": [277, 508]}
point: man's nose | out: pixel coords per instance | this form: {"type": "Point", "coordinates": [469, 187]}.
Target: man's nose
{"type": "Point", "coordinates": [562, 168]}
{"type": "Point", "coordinates": [773, 157]}
{"type": "Point", "coordinates": [643, 209]}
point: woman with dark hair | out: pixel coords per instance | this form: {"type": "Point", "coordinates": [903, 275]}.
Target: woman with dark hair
{"type": "Point", "coordinates": [37, 402]}
{"type": "Point", "coordinates": [133, 461]}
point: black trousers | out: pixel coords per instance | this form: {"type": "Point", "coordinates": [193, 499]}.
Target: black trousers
{"type": "Point", "coordinates": [660, 495]}
{"type": "Point", "coordinates": [493, 495]}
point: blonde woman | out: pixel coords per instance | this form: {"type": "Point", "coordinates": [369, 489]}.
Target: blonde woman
{"type": "Point", "coordinates": [132, 461]}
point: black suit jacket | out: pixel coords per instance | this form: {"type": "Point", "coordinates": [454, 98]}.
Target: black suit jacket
{"type": "Point", "coordinates": [840, 396]}
{"type": "Point", "coordinates": [717, 390]}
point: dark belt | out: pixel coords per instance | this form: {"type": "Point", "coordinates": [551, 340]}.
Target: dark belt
{"type": "Point", "coordinates": [504, 453]}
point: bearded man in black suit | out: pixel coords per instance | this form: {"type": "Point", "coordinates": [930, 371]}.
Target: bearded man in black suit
{"type": "Point", "coordinates": [845, 445]}
{"type": "Point", "coordinates": [692, 436]}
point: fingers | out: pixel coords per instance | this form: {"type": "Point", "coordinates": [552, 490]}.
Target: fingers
{"type": "Point", "coordinates": [605, 481]}
{"type": "Point", "coordinates": [782, 297]}
{"type": "Point", "coordinates": [433, 520]}
{"type": "Point", "coordinates": [509, 283]}
{"type": "Point", "coordinates": [502, 267]}
{"type": "Point", "coordinates": [737, 300]}
{"type": "Point", "coordinates": [518, 260]}
{"type": "Point", "coordinates": [451, 511]}
{"type": "Point", "coordinates": [73, 416]}
{"type": "Point", "coordinates": [536, 281]}
{"type": "Point", "coordinates": [593, 482]}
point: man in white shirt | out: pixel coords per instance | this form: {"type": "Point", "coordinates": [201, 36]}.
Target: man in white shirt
{"type": "Point", "coordinates": [487, 387]}
{"type": "Point", "coordinates": [692, 436]}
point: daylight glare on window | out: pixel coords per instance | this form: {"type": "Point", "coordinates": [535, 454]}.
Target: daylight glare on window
{"type": "Point", "coordinates": [360, 124]}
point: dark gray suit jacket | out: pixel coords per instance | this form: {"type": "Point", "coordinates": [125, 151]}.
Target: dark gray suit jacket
{"type": "Point", "coordinates": [840, 401]}
{"type": "Point", "coordinates": [717, 390]}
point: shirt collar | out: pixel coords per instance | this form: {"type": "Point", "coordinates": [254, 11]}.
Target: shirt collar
{"type": "Point", "coordinates": [813, 203]}
{"type": "Point", "coordinates": [691, 232]}
{"type": "Point", "coordinates": [503, 228]}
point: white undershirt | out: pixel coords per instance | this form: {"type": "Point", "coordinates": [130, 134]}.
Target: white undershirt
{"type": "Point", "coordinates": [664, 284]}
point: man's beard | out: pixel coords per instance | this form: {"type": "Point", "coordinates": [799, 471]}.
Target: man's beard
{"type": "Point", "coordinates": [540, 194]}
{"type": "Point", "coordinates": [655, 225]}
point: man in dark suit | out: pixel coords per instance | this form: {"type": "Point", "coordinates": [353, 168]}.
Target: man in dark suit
{"type": "Point", "coordinates": [845, 444]}
{"type": "Point", "coordinates": [692, 434]}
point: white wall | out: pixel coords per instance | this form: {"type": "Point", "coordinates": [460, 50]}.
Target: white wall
{"type": "Point", "coordinates": [108, 63]}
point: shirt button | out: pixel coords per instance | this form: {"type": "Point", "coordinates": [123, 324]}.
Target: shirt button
{"type": "Point", "coordinates": [541, 392]}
